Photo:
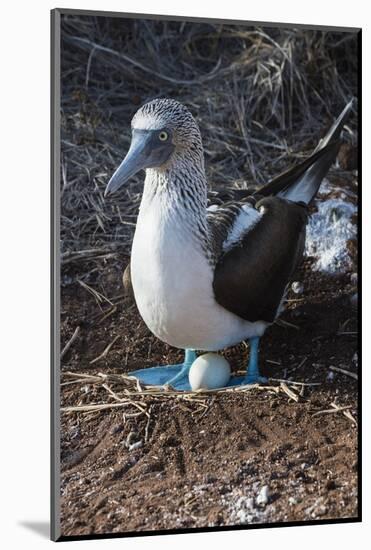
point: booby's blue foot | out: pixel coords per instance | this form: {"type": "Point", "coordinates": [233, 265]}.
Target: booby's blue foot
{"type": "Point", "coordinates": [174, 375]}
{"type": "Point", "coordinates": [252, 373]}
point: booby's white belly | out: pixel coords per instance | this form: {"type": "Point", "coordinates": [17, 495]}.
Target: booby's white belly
{"type": "Point", "coordinates": [172, 283]}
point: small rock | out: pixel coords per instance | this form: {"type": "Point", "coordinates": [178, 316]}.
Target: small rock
{"type": "Point", "coordinates": [292, 501]}
{"type": "Point", "coordinates": [348, 157]}
{"type": "Point", "coordinates": [297, 287]}
{"type": "Point", "coordinates": [330, 485]}
{"type": "Point", "coordinates": [75, 457]}
{"type": "Point", "coordinates": [263, 496]}
{"type": "Point", "coordinates": [250, 504]}
{"type": "Point", "coordinates": [117, 428]}
{"type": "Point", "coordinates": [101, 502]}
{"type": "Point", "coordinates": [135, 445]}
{"type": "Point", "coordinates": [321, 511]}
{"type": "Point", "coordinates": [210, 479]}
{"type": "Point", "coordinates": [132, 445]}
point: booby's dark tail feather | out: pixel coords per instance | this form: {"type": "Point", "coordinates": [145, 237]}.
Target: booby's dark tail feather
{"type": "Point", "coordinates": [301, 183]}
{"type": "Point", "coordinates": [334, 132]}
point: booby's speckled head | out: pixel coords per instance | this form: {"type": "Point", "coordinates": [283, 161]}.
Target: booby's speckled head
{"type": "Point", "coordinates": [163, 130]}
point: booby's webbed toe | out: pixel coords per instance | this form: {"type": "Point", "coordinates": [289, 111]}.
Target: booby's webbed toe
{"type": "Point", "coordinates": [175, 376]}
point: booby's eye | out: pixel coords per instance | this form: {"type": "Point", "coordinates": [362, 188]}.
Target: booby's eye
{"type": "Point", "coordinates": [163, 136]}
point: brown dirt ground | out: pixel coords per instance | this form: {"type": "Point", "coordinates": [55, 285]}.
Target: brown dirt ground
{"type": "Point", "coordinates": [203, 462]}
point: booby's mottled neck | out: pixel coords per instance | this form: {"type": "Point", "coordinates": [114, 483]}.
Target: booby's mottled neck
{"type": "Point", "coordinates": [179, 193]}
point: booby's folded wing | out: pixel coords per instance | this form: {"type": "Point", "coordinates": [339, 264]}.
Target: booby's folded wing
{"type": "Point", "coordinates": [259, 250]}
{"type": "Point", "coordinates": [252, 273]}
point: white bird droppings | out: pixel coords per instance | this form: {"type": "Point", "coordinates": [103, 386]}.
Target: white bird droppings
{"type": "Point", "coordinates": [136, 445]}
{"type": "Point", "coordinates": [328, 232]}
{"type": "Point", "coordinates": [297, 287]}
{"type": "Point", "coordinates": [263, 496]}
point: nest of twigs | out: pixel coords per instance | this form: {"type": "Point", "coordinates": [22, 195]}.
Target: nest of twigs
{"type": "Point", "coordinates": [122, 391]}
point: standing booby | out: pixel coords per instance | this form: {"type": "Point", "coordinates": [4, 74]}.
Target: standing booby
{"type": "Point", "coordinates": [208, 278]}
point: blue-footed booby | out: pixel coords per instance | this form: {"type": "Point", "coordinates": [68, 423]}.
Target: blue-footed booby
{"type": "Point", "coordinates": [205, 278]}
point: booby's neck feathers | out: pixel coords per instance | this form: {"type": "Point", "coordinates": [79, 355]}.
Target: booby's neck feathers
{"type": "Point", "coordinates": [179, 192]}
{"type": "Point", "coordinates": [183, 182]}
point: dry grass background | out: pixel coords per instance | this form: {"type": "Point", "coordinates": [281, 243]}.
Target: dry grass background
{"type": "Point", "coordinates": [262, 97]}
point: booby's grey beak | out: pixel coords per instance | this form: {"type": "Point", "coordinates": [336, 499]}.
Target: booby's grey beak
{"type": "Point", "coordinates": [148, 149]}
{"type": "Point", "coordinates": [136, 159]}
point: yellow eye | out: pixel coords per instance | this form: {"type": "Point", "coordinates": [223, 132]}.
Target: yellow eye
{"type": "Point", "coordinates": [163, 136]}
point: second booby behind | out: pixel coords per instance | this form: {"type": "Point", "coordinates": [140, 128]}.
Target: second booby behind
{"type": "Point", "coordinates": [208, 278]}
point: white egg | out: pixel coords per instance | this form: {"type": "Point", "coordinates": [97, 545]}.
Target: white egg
{"type": "Point", "coordinates": [209, 371]}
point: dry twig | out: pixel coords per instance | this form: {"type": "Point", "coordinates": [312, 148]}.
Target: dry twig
{"type": "Point", "coordinates": [105, 352]}
{"type": "Point", "coordinates": [70, 342]}
{"type": "Point", "coordinates": [344, 371]}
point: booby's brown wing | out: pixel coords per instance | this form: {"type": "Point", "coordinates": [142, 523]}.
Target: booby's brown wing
{"type": "Point", "coordinates": [251, 275]}
{"type": "Point", "coordinates": [250, 278]}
